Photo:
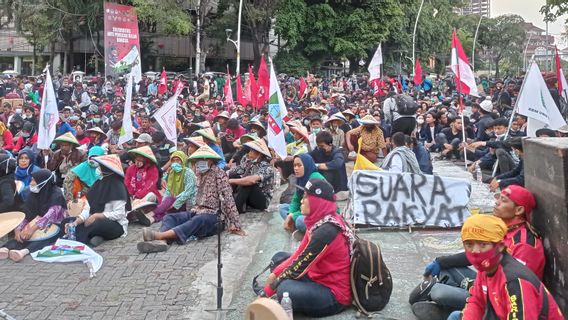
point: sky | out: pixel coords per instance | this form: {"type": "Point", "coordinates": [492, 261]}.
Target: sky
{"type": "Point", "coordinates": [530, 11]}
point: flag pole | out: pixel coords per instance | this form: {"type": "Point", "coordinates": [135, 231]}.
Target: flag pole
{"type": "Point", "coordinates": [460, 102]}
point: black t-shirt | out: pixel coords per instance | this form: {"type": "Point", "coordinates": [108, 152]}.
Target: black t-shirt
{"type": "Point", "coordinates": [64, 94]}
{"type": "Point", "coordinates": [451, 136]}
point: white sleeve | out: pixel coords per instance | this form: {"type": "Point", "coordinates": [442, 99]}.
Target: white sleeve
{"type": "Point", "coordinates": [115, 210]}
{"type": "Point", "coordinates": [84, 215]}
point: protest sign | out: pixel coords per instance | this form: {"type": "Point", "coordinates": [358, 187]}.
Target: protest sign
{"type": "Point", "coordinates": [382, 198]}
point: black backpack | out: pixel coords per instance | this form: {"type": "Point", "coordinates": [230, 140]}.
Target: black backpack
{"type": "Point", "coordinates": [371, 281]}
{"type": "Point", "coordinates": [405, 106]}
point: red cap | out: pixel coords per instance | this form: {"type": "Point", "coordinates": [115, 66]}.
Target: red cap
{"type": "Point", "coordinates": [521, 197]}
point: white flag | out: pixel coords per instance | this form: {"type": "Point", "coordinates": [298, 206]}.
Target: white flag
{"type": "Point", "coordinates": [126, 133]}
{"type": "Point", "coordinates": [166, 116]}
{"type": "Point", "coordinates": [49, 115]}
{"type": "Point", "coordinates": [276, 114]}
{"type": "Point", "coordinates": [375, 65]}
{"type": "Point", "coordinates": [536, 103]}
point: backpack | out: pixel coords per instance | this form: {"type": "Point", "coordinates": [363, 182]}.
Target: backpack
{"type": "Point", "coordinates": [371, 281]}
{"type": "Point", "coordinates": [405, 105]}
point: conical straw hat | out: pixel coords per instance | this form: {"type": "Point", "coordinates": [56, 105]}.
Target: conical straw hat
{"type": "Point", "coordinates": [67, 137]}
{"type": "Point", "coordinates": [205, 152]}
{"type": "Point", "coordinates": [112, 162]}
{"type": "Point", "coordinates": [146, 152]}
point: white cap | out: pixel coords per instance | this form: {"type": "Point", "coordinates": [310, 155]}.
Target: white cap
{"type": "Point", "coordinates": [486, 104]}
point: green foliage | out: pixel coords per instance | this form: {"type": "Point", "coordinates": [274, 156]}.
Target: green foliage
{"type": "Point", "coordinates": [168, 13]}
{"type": "Point", "coordinates": [292, 63]}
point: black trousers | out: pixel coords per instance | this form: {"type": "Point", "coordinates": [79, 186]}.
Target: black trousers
{"type": "Point", "coordinates": [105, 228]}
{"type": "Point", "coordinates": [251, 196]}
{"type": "Point", "coordinates": [32, 246]}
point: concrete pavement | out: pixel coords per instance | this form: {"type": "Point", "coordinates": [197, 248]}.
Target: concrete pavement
{"type": "Point", "coordinates": [179, 283]}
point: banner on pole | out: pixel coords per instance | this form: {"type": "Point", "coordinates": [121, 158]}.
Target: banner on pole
{"type": "Point", "coordinates": [122, 41]}
{"type": "Point", "coordinates": [382, 198]}
{"type": "Point", "coordinates": [49, 115]}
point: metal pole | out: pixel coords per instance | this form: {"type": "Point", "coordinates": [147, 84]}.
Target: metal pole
{"type": "Point", "coordinates": [239, 37]}
{"type": "Point", "coordinates": [525, 53]}
{"type": "Point", "coordinates": [414, 36]}
{"type": "Point", "coordinates": [547, 52]}
{"type": "Point", "coordinates": [198, 40]}
{"type": "Point", "coordinates": [474, 43]}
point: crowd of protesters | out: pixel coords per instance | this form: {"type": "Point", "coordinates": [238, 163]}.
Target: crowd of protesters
{"type": "Point", "coordinates": [221, 165]}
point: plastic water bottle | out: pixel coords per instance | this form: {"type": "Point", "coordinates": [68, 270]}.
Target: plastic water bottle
{"type": "Point", "coordinates": [71, 231]}
{"type": "Point", "coordinates": [277, 178]}
{"type": "Point", "coordinates": [478, 174]}
{"type": "Point", "coordinates": [286, 304]}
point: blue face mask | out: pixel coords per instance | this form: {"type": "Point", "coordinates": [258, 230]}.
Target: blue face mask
{"type": "Point", "coordinates": [176, 167]}
{"type": "Point", "coordinates": [202, 166]}
{"type": "Point", "coordinates": [316, 130]}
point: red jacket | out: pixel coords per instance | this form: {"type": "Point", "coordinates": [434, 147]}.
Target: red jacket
{"type": "Point", "coordinates": [513, 292]}
{"type": "Point", "coordinates": [525, 247]}
{"type": "Point", "coordinates": [141, 181]}
{"type": "Point", "coordinates": [8, 140]}
{"type": "Point", "coordinates": [323, 255]}
{"type": "Point", "coordinates": [28, 142]}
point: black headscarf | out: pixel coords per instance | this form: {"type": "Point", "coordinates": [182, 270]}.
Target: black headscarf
{"type": "Point", "coordinates": [111, 187]}
{"type": "Point", "coordinates": [37, 204]}
{"type": "Point", "coordinates": [7, 165]}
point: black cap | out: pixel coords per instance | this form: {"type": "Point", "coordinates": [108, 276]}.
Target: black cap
{"type": "Point", "coordinates": [319, 188]}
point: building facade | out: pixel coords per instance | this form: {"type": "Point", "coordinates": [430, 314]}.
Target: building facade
{"type": "Point", "coordinates": [480, 7]}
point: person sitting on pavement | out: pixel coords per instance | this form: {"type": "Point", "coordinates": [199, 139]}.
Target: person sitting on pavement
{"type": "Point", "coordinates": [515, 176]}
{"type": "Point", "coordinates": [401, 158]}
{"type": "Point", "coordinates": [315, 128]}
{"type": "Point", "coordinates": [27, 138]}
{"type": "Point", "coordinates": [44, 206]}
{"type": "Point", "coordinates": [514, 206]}
{"type": "Point", "coordinates": [104, 215]}
{"type": "Point", "coordinates": [370, 136]}
{"type": "Point", "coordinates": [330, 162]}
{"type": "Point", "coordinates": [430, 130]}
{"type": "Point", "coordinates": [180, 191]}
{"type": "Point", "coordinates": [97, 136]}
{"type": "Point", "coordinates": [67, 157]}
{"type": "Point", "coordinates": [497, 150]}
{"type": "Point", "coordinates": [422, 155]}
{"type": "Point", "coordinates": [451, 139]}
{"type": "Point", "coordinates": [214, 204]}
{"type": "Point", "coordinates": [26, 166]}
{"type": "Point", "coordinates": [211, 141]}
{"type": "Point", "coordinates": [8, 198]}
{"type": "Point", "coordinates": [316, 275]}
{"type": "Point", "coordinates": [301, 138]}
{"type": "Point", "coordinates": [253, 178]}
{"type": "Point", "coordinates": [83, 176]}
{"type": "Point", "coordinates": [504, 288]}
{"type": "Point", "coordinates": [334, 127]}
{"type": "Point", "coordinates": [304, 170]}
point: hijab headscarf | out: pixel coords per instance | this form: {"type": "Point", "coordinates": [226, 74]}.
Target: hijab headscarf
{"type": "Point", "coordinates": [84, 171]}
{"type": "Point", "coordinates": [25, 174]}
{"type": "Point", "coordinates": [176, 179]}
{"type": "Point", "coordinates": [319, 208]}
{"type": "Point", "coordinates": [309, 168]}
{"type": "Point", "coordinates": [110, 187]}
{"type": "Point", "coordinates": [37, 204]}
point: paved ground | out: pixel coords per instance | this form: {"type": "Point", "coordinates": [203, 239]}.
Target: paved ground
{"type": "Point", "coordinates": [178, 284]}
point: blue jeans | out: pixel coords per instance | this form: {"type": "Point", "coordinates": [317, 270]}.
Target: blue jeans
{"type": "Point", "coordinates": [188, 224]}
{"type": "Point", "coordinates": [450, 295]}
{"type": "Point", "coordinates": [455, 315]}
{"type": "Point", "coordinates": [283, 210]}
{"type": "Point", "coordinates": [308, 297]}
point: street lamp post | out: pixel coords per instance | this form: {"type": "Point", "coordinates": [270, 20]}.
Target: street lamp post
{"type": "Point", "coordinates": [525, 53]}
{"type": "Point", "coordinates": [414, 36]}
{"type": "Point", "coordinates": [474, 42]}
{"type": "Point", "coordinates": [238, 42]}
{"type": "Point", "coordinates": [198, 40]}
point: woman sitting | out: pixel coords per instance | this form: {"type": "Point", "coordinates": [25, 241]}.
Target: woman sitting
{"type": "Point", "coordinates": [44, 206]}
{"type": "Point", "coordinates": [26, 166]}
{"type": "Point", "coordinates": [253, 178]}
{"type": "Point", "coordinates": [6, 138]}
{"type": "Point", "coordinates": [143, 177]}
{"type": "Point", "coordinates": [83, 176]}
{"type": "Point", "coordinates": [316, 276]}
{"type": "Point", "coordinates": [66, 158]}
{"type": "Point", "coordinates": [304, 170]}
{"type": "Point", "coordinates": [8, 199]}
{"type": "Point", "coordinates": [214, 198]}
{"type": "Point", "coordinates": [180, 192]}
{"type": "Point", "coordinates": [104, 214]}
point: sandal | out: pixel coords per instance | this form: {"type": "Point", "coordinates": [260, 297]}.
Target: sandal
{"type": "Point", "coordinates": [148, 234]}
{"type": "Point", "coordinates": [143, 218]}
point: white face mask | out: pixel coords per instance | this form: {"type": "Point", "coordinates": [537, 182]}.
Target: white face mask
{"type": "Point", "coordinates": [37, 187]}
{"type": "Point", "coordinates": [202, 166]}
{"type": "Point", "coordinates": [420, 121]}
{"type": "Point", "coordinates": [34, 189]}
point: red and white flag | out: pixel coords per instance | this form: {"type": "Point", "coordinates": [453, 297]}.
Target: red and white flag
{"type": "Point", "coordinates": [375, 64]}
{"type": "Point", "coordinates": [465, 78]}
{"type": "Point", "coordinates": [303, 87]}
{"type": "Point", "coordinates": [163, 86]}
{"type": "Point", "coordinates": [228, 92]}
{"type": "Point", "coordinates": [562, 84]}
{"type": "Point", "coordinates": [417, 73]}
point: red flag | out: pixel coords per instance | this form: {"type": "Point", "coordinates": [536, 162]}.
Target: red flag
{"type": "Point", "coordinates": [247, 94]}
{"type": "Point", "coordinates": [263, 83]}
{"type": "Point", "coordinates": [163, 86]}
{"type": "Point", "coordinates": [228, 92]}
{"type": "Point", "coordinates": [303, 87]}
{"type": "Point", "coordinates": [240, 97]}
{"type": "Point", "coordinates": [465, 79]}
{"type": "Point", "coordinates": [253, 89]}
{"type": "Point", "coordinates": [417, 73]}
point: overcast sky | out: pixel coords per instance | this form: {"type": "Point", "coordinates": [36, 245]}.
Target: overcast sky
{"type": "Point", "coordinates": [530, 11]}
